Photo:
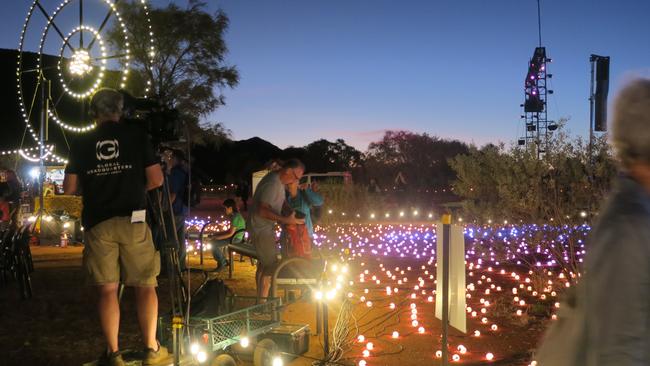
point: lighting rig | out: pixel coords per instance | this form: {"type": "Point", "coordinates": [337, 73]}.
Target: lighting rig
{"type": "Point", "coordinates": [536, 124]}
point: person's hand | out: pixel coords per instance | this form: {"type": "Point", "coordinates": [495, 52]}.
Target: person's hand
{"type": "Point", "coordinates": [292, 220]}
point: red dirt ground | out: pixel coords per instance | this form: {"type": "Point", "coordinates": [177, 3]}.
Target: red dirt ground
{"type": "Point", "coordinates": [59, 325]}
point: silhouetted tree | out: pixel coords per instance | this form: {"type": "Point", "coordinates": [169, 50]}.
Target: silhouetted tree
{"type": "Point", "coordinates": [189, 62]}
{"type": "Point", "coordinates": [325, 156]}
{"type": "Point", "coordinates": [421, 158]}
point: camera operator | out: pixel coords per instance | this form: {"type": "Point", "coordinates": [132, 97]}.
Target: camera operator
{"type": "Point", "coordinates": [179, 196]}
{"type": "Point", "coordinates": [113, 166]}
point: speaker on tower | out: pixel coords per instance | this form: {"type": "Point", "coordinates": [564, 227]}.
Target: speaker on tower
{"type": "Point", "coordinates": [600, 98]}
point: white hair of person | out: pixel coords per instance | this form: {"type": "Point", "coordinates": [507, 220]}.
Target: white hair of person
{"type": "Point", "coordinates": [631, 122]}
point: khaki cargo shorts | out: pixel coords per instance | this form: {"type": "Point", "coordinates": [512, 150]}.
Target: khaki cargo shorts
{"type": "Point", "coordinates": [115, 249]}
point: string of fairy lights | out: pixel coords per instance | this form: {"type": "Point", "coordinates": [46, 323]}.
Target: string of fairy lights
{"type": "Point", "coordinates": [79, 64]}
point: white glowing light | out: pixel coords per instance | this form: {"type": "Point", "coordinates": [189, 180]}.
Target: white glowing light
{"type": "Point", "coordinates": [202, 357]}
{"type": "Point", "coordinates": [34, 172]}
{"type": "Point", "coordinates": [194, 348]}
{"type": "Point", "coordinates": [244, 342]}
{"type": "Point", "coordinates": [80, 63]}
{"type": "Point", "coordinates": [277, 361]}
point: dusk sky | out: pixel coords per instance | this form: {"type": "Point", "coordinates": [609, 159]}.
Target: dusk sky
{"type": "Point", "coordinates": [352, 69]}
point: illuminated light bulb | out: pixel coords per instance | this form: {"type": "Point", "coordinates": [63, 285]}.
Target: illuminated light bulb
{"type": "Point", "coordinates": [277, 361]}
{"type": "Point", "coordinates": [455, 358]}
{"type": "Point", "coordinates": [319, 295]}
{"type": "Point", "coordinates": [391, 306]}
{"type": "Point", "coordinates": [477, 333]}
{"type": "Point", "coordinates": [462, 349]}
{"type": "Point", "coordinates": [421, 330]}
{"type": "Point", "coordinates": [361, 338]}
{"type": "Point", "coordinates": [362, 363]}
{"type": "Point", "coordinates": [484, 320]}
{"type": "Point", "coordinates": [244, 342]}
{"type": "Point", "coordinates": [494, 327]}
{"type": "Point", "coordinates": [438, 354]}
{"type": "Point", "coordinates": [369, 304]}
{"type": "Point", "coordinates": [201, 356]}
{"type": "Point", "coordinates": [554, 316]}
{"type": "Point", "coordinates": [519, 312]}
{"type": "Point", "coordinates": [395, 334]}
{"type": "Point", "coordinates": [365, 353]}
{"type": "Point", "coordinates": [370, 346]}
{"type": "Point", "coordinates": [415, 323]}
{"type": "Point", "coordinates": [489, 356]}
{"type": "Point", "coordinates": [430, 299]}
{"type": "Point", "coordinates": [194, 348]}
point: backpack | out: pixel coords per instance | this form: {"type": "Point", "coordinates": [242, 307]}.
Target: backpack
{"type": "Point", "coordinates": [209, 301]}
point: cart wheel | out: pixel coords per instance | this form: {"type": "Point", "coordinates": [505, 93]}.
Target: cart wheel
{"type": "Point", "coordinates": [264, 352]}
{"type": "Point", "coordinates": [223, 359]}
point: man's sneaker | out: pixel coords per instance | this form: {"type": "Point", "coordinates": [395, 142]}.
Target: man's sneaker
{"type": "Point", "coordinates": [111, 359]}
{"type": "Point", "coordinates": [159, 357]}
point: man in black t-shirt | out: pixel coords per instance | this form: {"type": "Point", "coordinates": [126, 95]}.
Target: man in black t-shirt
{"type": "Point", "coordinates": [113, 166]}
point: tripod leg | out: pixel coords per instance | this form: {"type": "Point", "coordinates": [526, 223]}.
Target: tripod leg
{"type": "Point", "coordinates": [120, 292]}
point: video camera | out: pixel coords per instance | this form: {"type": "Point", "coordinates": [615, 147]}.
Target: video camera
{"type": "Point", "coordinates": [161, 123]}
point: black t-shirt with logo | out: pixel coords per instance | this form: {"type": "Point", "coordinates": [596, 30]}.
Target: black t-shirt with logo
{"type": "Point", "coordinates": [110, 163]}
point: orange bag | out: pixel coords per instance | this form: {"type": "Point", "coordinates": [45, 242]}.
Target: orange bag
{"type": "Point", "coordinates": [298, 243]}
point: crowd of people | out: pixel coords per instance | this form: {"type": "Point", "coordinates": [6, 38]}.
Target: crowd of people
{"type": "Point", "coordinates": [114, 167]}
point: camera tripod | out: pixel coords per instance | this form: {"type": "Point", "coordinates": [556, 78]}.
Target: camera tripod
{"type": "Point", "coordinates": [167, 243]}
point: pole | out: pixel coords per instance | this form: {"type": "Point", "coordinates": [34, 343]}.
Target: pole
{"type": "Point", "coordinates": [41, 143]}
{"type": "Point", "coordinates": [539, 23]}
{"type": "Point", "coordinates": [446, 231]}
{"type": "Point", "coordinates": [326, 338]}
{"type": "Point", "coordinates": [592, 60]}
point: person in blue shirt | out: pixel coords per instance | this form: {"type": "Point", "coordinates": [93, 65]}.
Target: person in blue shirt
{"type": "Point", "coordinates": [178, 182]}
{"type": "Point", "coordinates": [302, 197]}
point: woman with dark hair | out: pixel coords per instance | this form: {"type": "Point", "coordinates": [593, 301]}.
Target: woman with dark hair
{"type": "Point", "coordinates": [223, 238]}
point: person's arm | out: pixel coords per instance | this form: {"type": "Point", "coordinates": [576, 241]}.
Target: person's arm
{"type": "Point", "coordinates": [225, 234]}
{"type": "Point", "coordinates": [70, 184]}
{"type": "Point", "coordinates": [316, 199]}
{"type": "Point", "coordinates": [154, 177]}
{"type": "Point", "coordinates": [152, 170]}
{"type": "Point", "coordinates": [265, 210]}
